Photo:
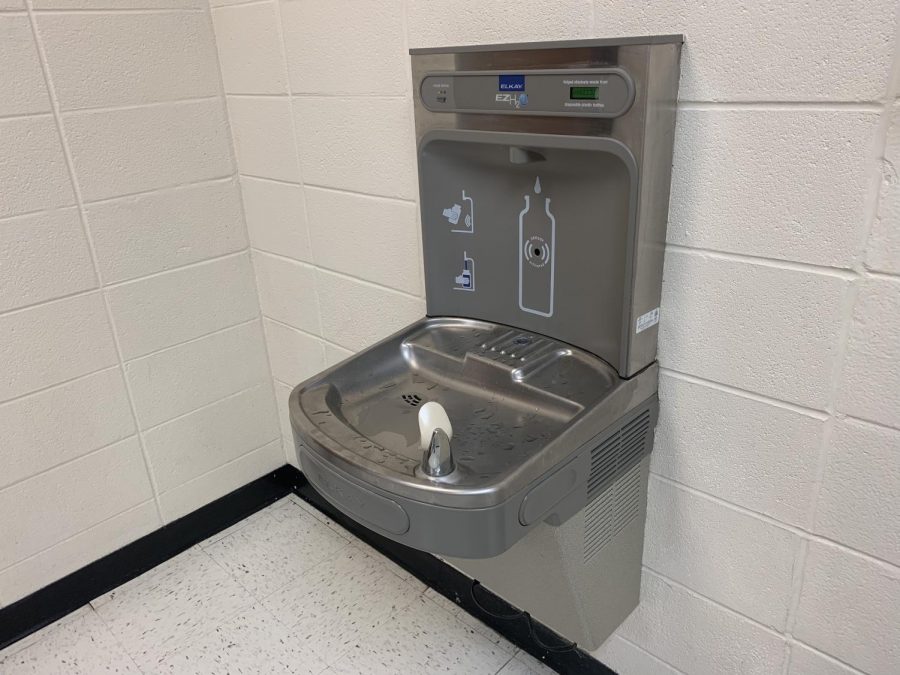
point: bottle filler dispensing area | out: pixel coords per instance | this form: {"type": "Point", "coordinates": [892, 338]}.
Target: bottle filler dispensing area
{"type": "Point", "coordinates": [509, 431]}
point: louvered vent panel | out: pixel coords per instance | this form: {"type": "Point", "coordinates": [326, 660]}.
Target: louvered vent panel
{"type": "Point", "coordinates": [613, 505]}
{"type": "Point", "coordinates": [603, 464]}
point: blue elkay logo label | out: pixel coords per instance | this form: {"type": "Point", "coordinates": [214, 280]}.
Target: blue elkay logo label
{"type": "Point", "coordinates": [512, 83]}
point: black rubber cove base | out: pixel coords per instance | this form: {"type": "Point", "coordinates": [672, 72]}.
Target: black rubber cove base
{"type": "Point", "coordinates": [527, 634]}
{"type": "Point", "coordinates": [53, 602]}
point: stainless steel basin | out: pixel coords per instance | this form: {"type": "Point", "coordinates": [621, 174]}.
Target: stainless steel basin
{"type": "Point", "coordinates": [521, 405]}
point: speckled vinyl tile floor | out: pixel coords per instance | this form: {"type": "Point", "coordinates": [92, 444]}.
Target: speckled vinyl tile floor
{"type": "Point", "coordinates": [284, 591]}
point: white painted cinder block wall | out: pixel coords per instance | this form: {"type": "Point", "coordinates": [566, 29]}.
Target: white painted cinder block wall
{"type": "Point", "coordinates": [773, 539]}
{"type": "Point", "coordinates": [133, 379]}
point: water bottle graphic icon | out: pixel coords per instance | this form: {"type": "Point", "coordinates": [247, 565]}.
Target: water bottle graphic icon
{"type": "Point", "coordinates": [537, 254]}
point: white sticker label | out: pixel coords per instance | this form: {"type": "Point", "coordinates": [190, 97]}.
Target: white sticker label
{"type": "Point", "coordinates": [648, 320]}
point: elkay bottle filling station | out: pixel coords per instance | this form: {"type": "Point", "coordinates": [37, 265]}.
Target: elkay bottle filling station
{"type": "Point", "coordinates": [509, 431]}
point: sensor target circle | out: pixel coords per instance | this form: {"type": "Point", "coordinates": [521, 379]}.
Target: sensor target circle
{"type": "Point", "coordinates": [536, 251]}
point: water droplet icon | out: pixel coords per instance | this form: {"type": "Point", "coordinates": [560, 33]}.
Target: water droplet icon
{"type": "Point", "coordinates": [537, 185]}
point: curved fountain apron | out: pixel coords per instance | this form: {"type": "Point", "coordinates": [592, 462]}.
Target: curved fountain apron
{"type": "Point", "coordinates": [509, 430]}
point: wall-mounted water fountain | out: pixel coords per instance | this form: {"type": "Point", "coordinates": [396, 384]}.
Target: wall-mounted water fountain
{"type": "Point", "coordinates": [510, 430]}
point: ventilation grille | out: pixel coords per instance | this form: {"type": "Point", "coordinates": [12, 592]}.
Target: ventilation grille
{"type": "Point", "coordinates": [614, 496]}
{"type": "Point", "coordinates": [617, 452]}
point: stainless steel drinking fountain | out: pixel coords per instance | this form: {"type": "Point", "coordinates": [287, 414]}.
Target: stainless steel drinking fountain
{"type": "Point", "coordinates": [509, 431]}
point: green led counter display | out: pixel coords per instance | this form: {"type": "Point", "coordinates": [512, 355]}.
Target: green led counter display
{"type": "Point", "coordinates": [584, 93]}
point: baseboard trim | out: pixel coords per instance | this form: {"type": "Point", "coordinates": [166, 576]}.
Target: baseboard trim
{"type": "Point", "coordinates": [61, 597]}
{"type": "Point", "coordinates": [54, 601]}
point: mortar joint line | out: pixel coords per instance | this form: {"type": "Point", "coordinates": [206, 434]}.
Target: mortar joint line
{"type": "Point", "coordinates": [194, 479]}
{"type": "Point", "coordinates": [202, 182]}
{"type": "Point", "coordinates": [307, 333]}
{"type": "Point", "coordinates": [787, 639]}
{"type": "Point", "coordinates": [137, 106]}
{"type": "Point", "coordinates": [66, 462]}
{"type": "Point", "coordinates": [118, 10]}
{"type": "Point", "coordinates": [76, 188]}
{"type": "Point", "coordinates": [877, 153]}
{"type": "Point", "coordinates": [192, 340]}
{"type": "Point", "coordinates": [74, 535]}
{"type": "Point", "coordinates": [796, 530]}
{"type": "Point", "coordinates": [847, 274]}
{"type": "Point", "coordinates": [649, 653]}
{"type": "Point", "coordinates": [729, 610]}
{"type": "Point", "coordinates": [794, 642]}
{"type": "Point", "coordinates": [743, 510]}
{"type": "Point", "coordinates": [237, 253]}
{"type": "Point", "coordinates": [242, 3]}
{"type": "Point", "coordinates": [276, 6]}
{"type": "Point", "coordinates": [815, 413]}
{"type": "Point", "coordinates": [866, 106]}
{"type": "Point", "coordinates": [236, 176]}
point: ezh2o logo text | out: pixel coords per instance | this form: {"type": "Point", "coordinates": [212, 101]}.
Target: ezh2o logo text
{"type": "Point", "coordinates": [513, 99]}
